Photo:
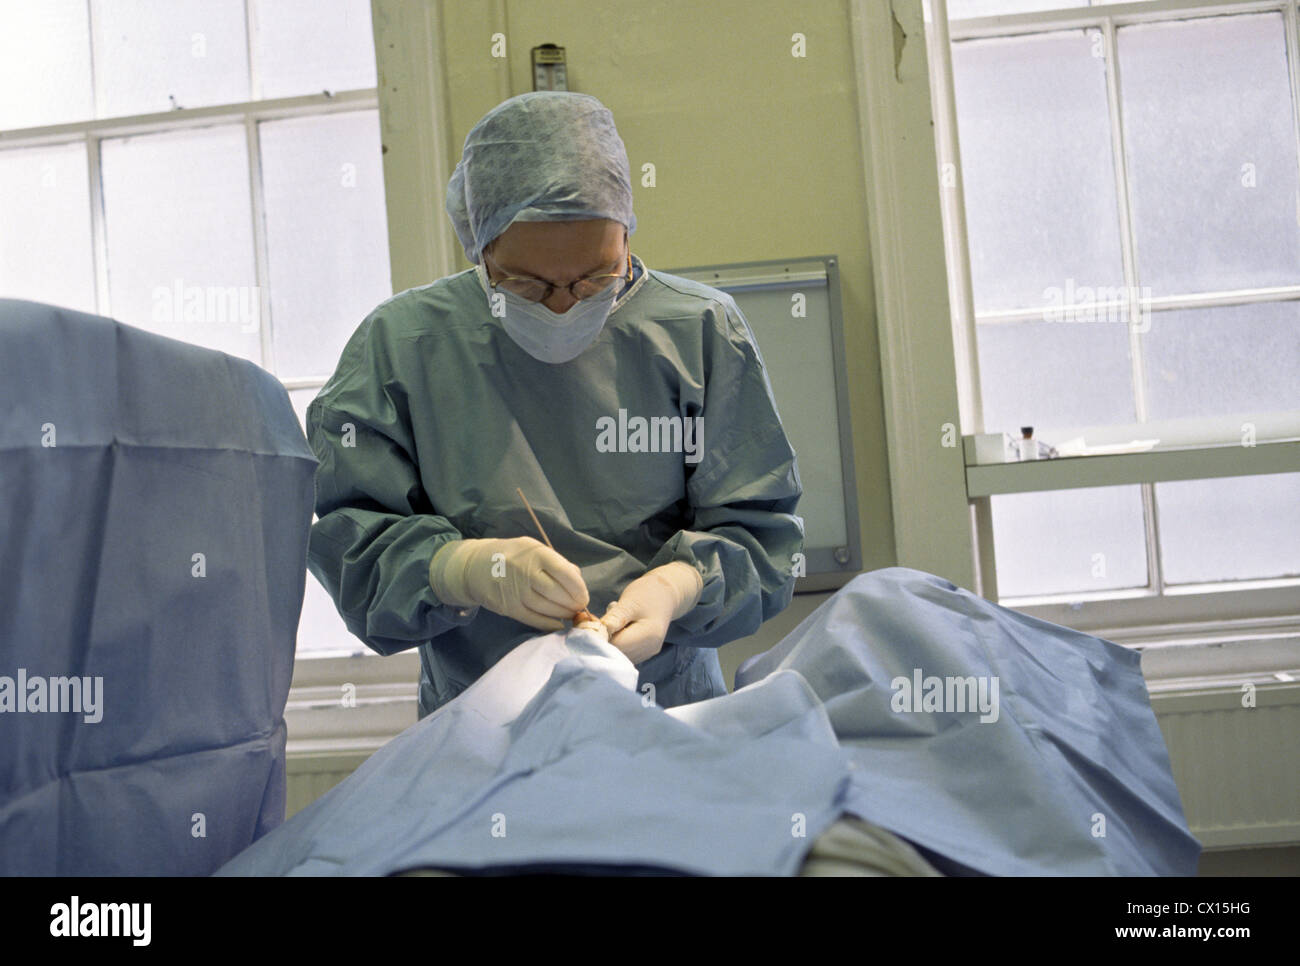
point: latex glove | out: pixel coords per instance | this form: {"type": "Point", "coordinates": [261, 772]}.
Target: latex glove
{"type": "Point", "coordinates": [528, 581]}
{"type": "Point", "coordinates": [639, 619]}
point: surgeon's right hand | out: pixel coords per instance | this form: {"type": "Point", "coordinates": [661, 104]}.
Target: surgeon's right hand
{"type": "Point", "coordinates": [519, 578]}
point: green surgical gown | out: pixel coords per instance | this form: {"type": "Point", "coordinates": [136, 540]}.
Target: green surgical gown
{"type": "Point", "coordinates": [434, 415]}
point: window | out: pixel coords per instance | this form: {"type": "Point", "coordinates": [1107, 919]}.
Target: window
{"type": "Point", "coordinates": [1131, 209]}
{"type": "Point", "coordinates": [209, 170]}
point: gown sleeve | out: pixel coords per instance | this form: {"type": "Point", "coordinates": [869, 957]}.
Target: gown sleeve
{"type": "Point", "coordinates": [376, 532]}
{"type": "Point", "coordinates": [743, 493]}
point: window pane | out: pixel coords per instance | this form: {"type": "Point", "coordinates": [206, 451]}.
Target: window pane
{"type": "Point", "coordinates": [152, 56]}
{"type": "Point", "coordinates": [1037, 168]}
{"type": "Point", "coordinates": [1238, 528]}
{"type": "Point", "coordinates": [180, 237]}
{"type": "Point", "coordinates": [301, 399]}
{"type": "Point", "coordinates": [320, 627]}
{"type": "Point", "coordinates": [1069, 541]}
{"type": "Point", "coordinates": [1053, 375]}
{"type": "Point", "coordinates": [49, 40]}
{"type": "Point", "coordinates": [45, 253]}
{"type": "Point", "coordinates": [1227, 359]}
{"type": "Point", "coordinates": [1212, 153]}
{"type": "Point", "coordinates": [306, 46]}
{"type": "Point", "coordinates": [327, 235]}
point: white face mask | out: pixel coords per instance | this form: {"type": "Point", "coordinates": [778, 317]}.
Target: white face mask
{"type": "Point", "coordinates": [549, 336]}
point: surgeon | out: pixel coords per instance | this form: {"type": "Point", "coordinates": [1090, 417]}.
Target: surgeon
{"type": "Point", "coordinates": [631, 407]}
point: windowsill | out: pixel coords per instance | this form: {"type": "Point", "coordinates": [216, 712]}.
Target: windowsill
{"type": "Point", "coordinates": [1187, 450]}
{"type": "Point", "coordinates": [311, 673]}
{"type": "Point", "coordinates": [1177, 666]}
{"type": "Point", "coordinates": [351, 704]}
{"type": "Point", "coordinates": [1158, 465]}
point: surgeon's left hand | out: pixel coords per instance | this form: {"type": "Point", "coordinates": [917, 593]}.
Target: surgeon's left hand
{"type": "Point", "coordinates": [639, 619]}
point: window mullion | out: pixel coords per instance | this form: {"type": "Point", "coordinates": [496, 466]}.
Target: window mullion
{"type": "Point", "coordinates": [1289, 18]}
{"type": "Point", "coordinates": [98, 236]}
{"type": "Point", "coordinates": [253, 140]}
{"type": "Point", "coordinates": [256, 195]}
{"type": "Point", "coordinates": [1128, 249]}
{"type": "Point", "coordinates": [1155, 572]}
{"type": "Point", "coordinates": [90, 43]}
{"type": "Point", "coordinates": [1123, 197]}
{"type": "Point", "coordinates": [98, 230]}
{"type": "Point", "coordinates": [250, 36]}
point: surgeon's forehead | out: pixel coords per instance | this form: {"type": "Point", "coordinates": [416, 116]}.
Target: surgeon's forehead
{"type": "Point", "coordinates": [580, 247]}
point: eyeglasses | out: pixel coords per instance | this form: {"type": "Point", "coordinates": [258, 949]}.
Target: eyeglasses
{"type": "Point", "coordinates": [539, 290]}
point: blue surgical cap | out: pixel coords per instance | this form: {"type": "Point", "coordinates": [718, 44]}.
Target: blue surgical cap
{"type": "Point", "coordinates": [541, 156]}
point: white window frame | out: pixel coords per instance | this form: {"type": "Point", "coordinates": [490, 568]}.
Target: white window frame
{"type": "Point", "coordinates": [930, 371]}
{"type": "Point", "coordinates": [890, 83]}
{"type": "Point", "coordinates": [384, 682]}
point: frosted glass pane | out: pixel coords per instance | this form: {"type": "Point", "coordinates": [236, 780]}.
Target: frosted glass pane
{"type": "Point", "coordinates": [45, 252]}
{"type": "Point", "coordinates": [1212, 153]}
{"type": "Point", "coordinates": [49, 40]}
{"type": "Point", "coordinates": [327, 235]}
{"type": "Point", "coordinates": [301, 399]}
{"type": "Point", "coordinates": [1244, 527]}
{"type": "Point", "coordinates": [1069, 541]}
{"type": "Point", "coordinates": [320, 627]}
{"type": "Point", "coordinates": [152, 56]}
{"type": "Point", "coordinates": [1054, 374]}
{"type": "Point", "coordinates": [1037, 168]}
{"type": "Point", "coordinates": [307, 46]}
{"type": "Point", "coordinates": [180, 237]}
{"type": "Point", "coordinates": [1228, 359]}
